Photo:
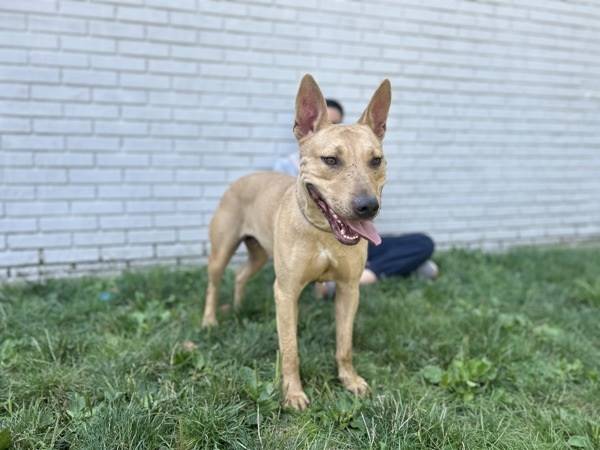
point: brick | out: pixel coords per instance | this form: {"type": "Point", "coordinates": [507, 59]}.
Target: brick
{"type": "Point", "coordinates": [14, 259]}
{"type": "Point", "coordinates": [71, 255]}
{"type": "Point", "coordinates": [37, 208]}
{"type": "Point", "coordinates": [175, 160]}
{"type": "Point", "coordinates": [125, 222]}
{"type": "Point", "coordinates": [178, 251]}
{"type": "Point", "coordinates": [35, 176]}
{"type": "Point", "coordinates": [192, 145]}
{"type": "Point", "coordinates": [12, 21]}
{"type": "Point", "coordinates": [100, 238]}
{"type": "Point", "coordinates": [37, 7]}
{"type": "Point", "coordinates": [14, 125]}
{"type": "Point", "coordinates": [17, 225]}
{"type": "Point", "coordinates": [62, 59]}
{"type": "Point", "coordinates": [96, 207]}
{"type": "Point", "coordinates": [199, 175]}
{"type": "Point", "coordinates": [124, 191]}
{"type": "Point", "coordinates": [174, 129]}
{"type": "Point", "coordinates": [48, 159]}
{"type": "Point", "coordinates": [91, 111]}
{"type": "Point", "coordinates": [122, 160]}
{"type": "Point", "coordinates": [241, 131]}
{"type": "Point", "coordinates": [70, 223]}
{"type": "Point", "coordinates": [177, 192]}
{"type": "Point", "coordinates": [28, 41]}
{"type": "Point", "coordinates": [18, 193]}
{"type": "Point", "coordinates": [167, 34]}
{"type": "Point", "coordinates": [66, 192]}
{"type": "Point", "coordinates": [119, 96]}
{"type": "Point", "coordinates": [120, 63]}
{"type": "Point", "coordinates": [32, 142]}
{"type": "Point", "coordinates": [89, 77]}
{"type": "Point", "coordinates": [222, 39]}
{"type": "Point", "coordinates": [53, 126]}
{"type": "Point", "coordinates": [42, 92]}
{"type": "Point", "coordinates": [89, 44]}
{"type": "Point", "coordinates": [39, 240]}
{"type": "Point", "coordinates": [57, 24]}
{"type": "Point", "coordinates": [80, 9]}
{"type": "Point", "coordinates": [151, 49]}
{"type": "Point", "coordinates": [190, 20]}
{"type": "Point", "coordinates": [121, 128]}
{"type": "Point", "coordinates": [150, 206]}
{"type": "Point", "coordinates": [179, 4]}
{"type": "Point", "coordinates": [145, 81]}
{"type": "Point", "coordinates": [174, 98]}
{"type": "Point", "coordinates": [127, 253]}
{"type": "Point", "coordinates": [92, 143]}
{"type": "Point", "coordinates": [146, 15]}
{"type": "Point", "coordinates": [94, 176]}
{"type": "Point", "coordinates": [190, 205]}
{"type": "Point", "coordinates": [116, 29]}
{"type": "Point", "coordinates": [147, 176]}
{"type": "Point", "coordinates": [178, 220]}
{"type": "Point", "coordinates": [8, 55]}
{"type": "Point", "coordinates": [193, 235]}
{"type": "Point", "coordinates": [224, 70]}
{"type": "Point", "coordinates": [203, 116]}
{"type": "Point", "coordinates": [169, 67]}
{"type": "Point", "coordinates": [151, 237]}
{"type": "Point", "coordinates": [145, 144]}
{"type": "Point", "coordinates": [24, 74]}
{"type": "Point", "coordinates": [203, 53]}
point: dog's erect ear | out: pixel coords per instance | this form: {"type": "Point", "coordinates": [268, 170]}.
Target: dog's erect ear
{"type": "Point", "coordinates": [311, 110]}
{"type": "Point", "coordinates": [375, 116]}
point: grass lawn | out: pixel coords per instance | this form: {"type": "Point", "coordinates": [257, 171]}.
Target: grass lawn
{"type": "Point", "coordinates": [503, 351]}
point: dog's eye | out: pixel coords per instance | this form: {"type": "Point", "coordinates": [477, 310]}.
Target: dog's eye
{"type": "Point", "coordinates": [375, 162]}
{"type": "Point", "coordinates": [330, 160]}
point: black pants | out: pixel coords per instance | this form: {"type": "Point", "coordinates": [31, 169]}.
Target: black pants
{"type": "Point", "coordinates": [399, 255]}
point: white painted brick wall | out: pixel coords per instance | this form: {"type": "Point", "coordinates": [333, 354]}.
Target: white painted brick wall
{"type": "Point", "coordinates": [122, 123]}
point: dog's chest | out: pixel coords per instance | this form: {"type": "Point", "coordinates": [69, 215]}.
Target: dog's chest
{"type": "Point", "coordinates": [325, 263]}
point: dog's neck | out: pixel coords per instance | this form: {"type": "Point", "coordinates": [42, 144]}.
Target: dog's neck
{"type": "Point", "coordinates": [308, 207]}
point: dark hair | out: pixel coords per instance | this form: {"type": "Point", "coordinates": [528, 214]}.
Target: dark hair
{"type": "Point", "coordinates": [331, 103]}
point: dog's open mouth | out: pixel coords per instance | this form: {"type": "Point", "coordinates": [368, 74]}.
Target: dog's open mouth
{"type": "Point", "coordinates": [346, 231]}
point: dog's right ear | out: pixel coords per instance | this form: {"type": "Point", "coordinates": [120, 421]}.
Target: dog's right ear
{"type": "Point", "coordinates": [311, 109]}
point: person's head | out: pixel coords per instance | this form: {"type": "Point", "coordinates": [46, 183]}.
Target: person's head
{"type": "Point", "coordinates": [335, 111]}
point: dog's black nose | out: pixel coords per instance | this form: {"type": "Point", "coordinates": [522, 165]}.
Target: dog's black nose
{"type": "Point", "coordinates": [365, 206]}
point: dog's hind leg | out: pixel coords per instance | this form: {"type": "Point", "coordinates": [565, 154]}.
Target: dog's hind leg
{"type": "Point", "coordinates": [224, 241]}
{"type": "Point", "coordinates": [257, 257]}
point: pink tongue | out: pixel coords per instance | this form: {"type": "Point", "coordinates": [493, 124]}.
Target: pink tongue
{"type": "Point", "coordinates": [366, 229]}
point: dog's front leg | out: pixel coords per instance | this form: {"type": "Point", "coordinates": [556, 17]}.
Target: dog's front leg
{"type": "Point", "coordinates": [286, 303]}
{"type": "Point", "coordinates": [346, 304]}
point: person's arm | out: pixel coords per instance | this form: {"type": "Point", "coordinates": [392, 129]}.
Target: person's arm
{"type": "Point", "coordinates": [286, 165]}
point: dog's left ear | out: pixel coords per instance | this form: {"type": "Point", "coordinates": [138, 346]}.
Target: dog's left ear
{"type": "Point", "coordinates": [311, 110]}
{"type": "Point", "coordinates": [375, 116]}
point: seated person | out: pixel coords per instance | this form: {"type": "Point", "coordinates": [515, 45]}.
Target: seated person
{"type": "Point", "coordinates": [396, 255]}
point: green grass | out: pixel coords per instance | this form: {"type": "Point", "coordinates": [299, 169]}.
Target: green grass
{"type": "Point", "coordinates": [503, 351]}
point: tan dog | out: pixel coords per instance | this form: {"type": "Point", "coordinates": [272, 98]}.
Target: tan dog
{"type": "Point", "coordinates": [311, 226]}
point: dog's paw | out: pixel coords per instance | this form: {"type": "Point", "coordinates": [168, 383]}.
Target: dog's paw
{"type": "Point", "coordinates": [296, 400]}
{"type": "Point", "coordinates": [356, 384]}
{"type": "Point", "coordinates": [209, 322]}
